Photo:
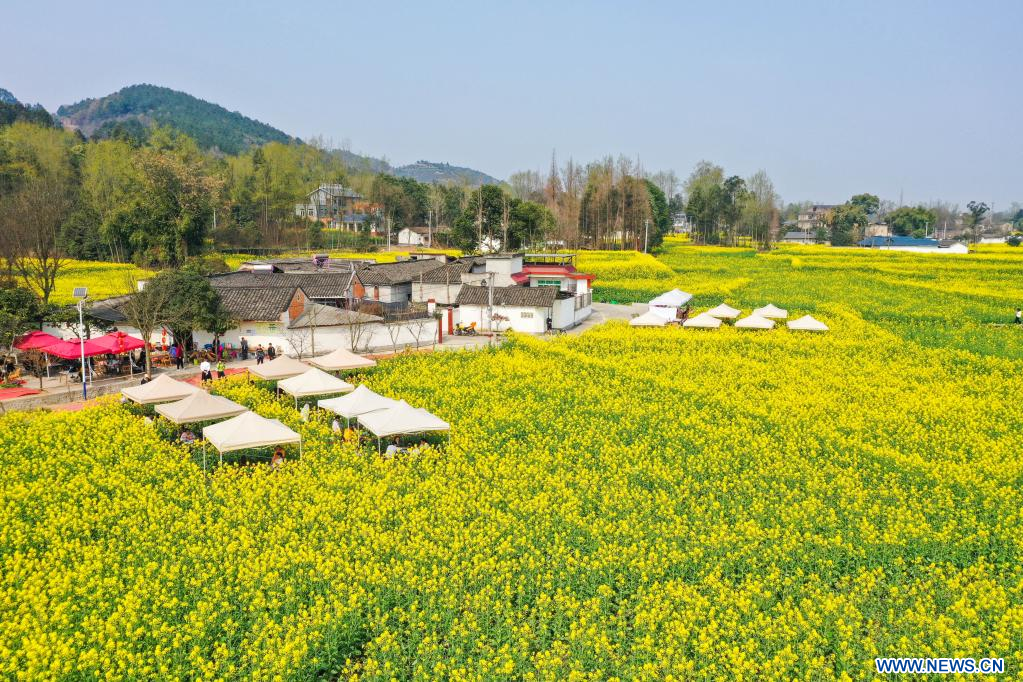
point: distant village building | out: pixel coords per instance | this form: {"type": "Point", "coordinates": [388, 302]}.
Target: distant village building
{"type": "Point", "coordinates": [914, 245]}
{"type": "Point", "coordinates": [421, 236]}
{"type": "Point", "coordinates": [814, 218]}
{"type": "Point", "coordinates": [799, 237]}
{"type": "Point", "coordinates": [338, 207]}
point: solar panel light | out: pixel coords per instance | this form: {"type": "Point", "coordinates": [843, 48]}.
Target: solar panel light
{"type": "Point", "coordinates": [81, 292]}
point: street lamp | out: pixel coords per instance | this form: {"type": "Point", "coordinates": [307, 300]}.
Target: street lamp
{"type": "Point", "coordinates": [82, 293]}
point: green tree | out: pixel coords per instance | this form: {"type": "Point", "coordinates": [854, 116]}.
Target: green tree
{"type": "Point", "coordinates": [480, 219]}
{"type": "Point", "coordinates": [19, 313]}
{"type": "Point", "coordinates": [847, 223]}
{"type": "Point", "coordinates": [705, 201]}
{"type": "Point", "coordinates": [868, 202]}
{"type": "Point", "coordinates": [909, 220]}
{"type": "Point", "coordinates": [975, 217]}
{"type": "Point", "coordinates": [661, 221]}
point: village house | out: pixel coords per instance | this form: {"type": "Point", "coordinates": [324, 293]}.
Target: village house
{"type": "Point", "coordinates": [391, 284]}
{"type": "Point", "coordinates": [338, 207]}
{"type": "Point", "coordinates": [422, 236]}
{"type": "Point", "coordinates": [814, 218]}
{"type": "Point", "coordinates": [799, 237]}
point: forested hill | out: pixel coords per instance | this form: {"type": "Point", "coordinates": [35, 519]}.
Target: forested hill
{"type": "Point", "coordinates": [12, 110]}
{"type": "Point", "coordinates": [431, 172]}
{"type": "Point", "coordinates": [136, 107]}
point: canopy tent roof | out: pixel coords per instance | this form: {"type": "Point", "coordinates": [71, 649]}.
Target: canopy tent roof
{"type": "Point", "coordinates": [649, 319]}
{"type": "Point", "coordinates": [666, 312]}
{"type": "Point", "coordinates": [200, 407]}
{"type": "Point", "coordinates": [282, 367]}
{"type": "Point", "coordinates": [402, 418]}
{"type": "Point", "coordinates": [119, 342]}
{"type": "Point", "coordinates": [360, 401]}
{"type": "Point", "coordinates": [771, 312]}
{"type": "Point", "coordinates": [162, 389]}
{"type": "Point", "coordinates": [724, 312]}
{"type": "Point", "coordinates": [341, 359]}
{"type": "Point", "coordinates": [702, 321]}
{"type": "Point", "coordinates": [808, 324]}
{"type": "Point", "coordinates": [314, 382]}
{"type": "Point", "coordinates": [248, 430]}
{"type": "Point", "coordinates": [672, 299]}
{"type": "Point", "coordinates": [72, 350]}
{"type": "Point", "coordinates": [36, 340]}
{"type": "Point", "coordinates": [755, 322]}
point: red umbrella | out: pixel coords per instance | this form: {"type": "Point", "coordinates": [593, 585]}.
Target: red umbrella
{"type": "Point", "coordinates": [72, 350]}
{"type": "Point", "coordinates": [119, 342]}
{"type": "Point", "coordinates": [35, 340]}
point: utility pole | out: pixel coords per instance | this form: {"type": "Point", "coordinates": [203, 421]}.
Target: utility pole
{"type": "Point", "coordinates": [490, 301]}
{"type": "Point", "coordinates": [646, 234]}
{"type": "Point", "coordinates": [81, 293]}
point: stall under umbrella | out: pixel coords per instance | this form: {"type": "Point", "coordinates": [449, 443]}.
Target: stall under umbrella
{"type": "Point", "coordinates": [246, 431]}
{"type": "Point", "coordinates": [162, 389]}
{"type": "Point", "coordinates": [282, 367]}
{"type": "Point", "coordinates": [314, 382]}
{"type": "Point", "coordinates": [37, 340]}
{"type": "Point", "coordinates": [702, 321]}
{"type": "Point", "coordinates": [118, 343]}
{"type": "Point", "coordinates": [807, 324]}
{"type": "Point", "coordinates": [200, 407]}
{"type": "Point", "coordinates": [360, 401]}
{"type": "Point", "coordinates": [72, 350]}
{"type": "Point", "coordinates": [342, 359]}
{"type": "Point", "coordinates": [402, 419]}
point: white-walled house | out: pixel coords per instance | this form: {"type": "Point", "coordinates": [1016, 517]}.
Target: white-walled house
{"type": "Point", "coordinates": [520, 308]}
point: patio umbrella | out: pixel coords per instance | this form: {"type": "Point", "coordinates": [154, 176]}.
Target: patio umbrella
{"type": "Point", "coordinates": [36, 340]}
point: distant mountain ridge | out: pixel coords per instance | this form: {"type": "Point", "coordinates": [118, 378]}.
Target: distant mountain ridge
{"type": "Point", "coordinates": [432, 171]}
{"type": "Point", "coordinates": [140, 106]}
{"type": "Point", "coordinates": [132, 110]}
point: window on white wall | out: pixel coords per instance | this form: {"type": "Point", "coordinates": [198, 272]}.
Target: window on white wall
{"type": "Point", "coordinates": [525, 314]}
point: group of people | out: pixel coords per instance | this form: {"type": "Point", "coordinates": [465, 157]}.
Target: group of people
{"type": "Point", "coordinates": [261, 354]}
{"type": "Point", "coordinates": [206, 370]}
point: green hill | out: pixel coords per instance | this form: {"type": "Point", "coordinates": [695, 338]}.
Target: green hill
{"type": "Point", "coordinates": [12, 110]}
{"type": "Point", "coordinates": [137, 107]}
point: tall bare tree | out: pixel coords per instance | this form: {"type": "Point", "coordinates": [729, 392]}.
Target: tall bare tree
{"type": "Point", "coordinates": [148, 307]}
{"type": "Point", "coordinates": [30, 232]}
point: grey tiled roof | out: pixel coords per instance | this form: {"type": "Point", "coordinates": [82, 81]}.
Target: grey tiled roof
{"type": "Point", "coordinates": [395, 273]}
{"type": "Point", "coordinates": [450, 273]}
{"type": "Point", "coordinates": [252, 303]}
{"type": "Point", "coordinates": [319, 315]}
{"type": "Point", "coordinates": [528, 297]}
{"type": "Point", "coordinates": [320, 284]}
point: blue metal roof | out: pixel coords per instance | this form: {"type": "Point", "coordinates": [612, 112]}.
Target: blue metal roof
{"type": "Point", "coordinates": [897, 241]}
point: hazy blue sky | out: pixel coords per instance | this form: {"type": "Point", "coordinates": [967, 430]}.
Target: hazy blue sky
{"type": "Point", "coordinates": [831, 98]}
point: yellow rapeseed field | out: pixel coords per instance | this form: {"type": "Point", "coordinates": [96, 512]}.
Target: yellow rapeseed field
{"type": "Point", "coordinates": [631, 503]}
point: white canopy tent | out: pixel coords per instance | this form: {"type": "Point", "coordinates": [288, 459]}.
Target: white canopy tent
{"type": "Point", "coordinates": [771, 312]}
{"type": "Point", "coordinates": [279, 368]}
{"type": "Point", "coordinates": [724, 312]}
{"type": "Point", "coordinates": [670, 314]}
{"type": "Point", "coordinates": [808, 324]}
{"type": "Point", "coordinates": [162, 389]}
{"type": "Point", "coordinates": [649, 319]}
{"type": "Point", "coordinates": [702, 321]}
{"type": "Point", "coordinates": [200, 407]}
{"type": "Point", "coordinates": [400, 419]}
{"type": "Point", "coordinates": [360, 401]}
{"type": "Point", "coordinates": [248, 430]}
{"type": "Point", "coordinates": [341, 359]}
{"type": "Point", "coordinates": [675, 298]}
{"type": "Point", "coordinates": [314, 382]}
{"type": "Point", "coordinates": [754, 322]}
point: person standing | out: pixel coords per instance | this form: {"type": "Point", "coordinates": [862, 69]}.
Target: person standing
{"type": "Point", "coordinates": [260, 354]}
{"type": "Point", "coordinates": [221, 369]}
{"type": "Point", "coordinates": [206, 370]}
{"type": "Point", "coordinates": [245, 349]}
{"type": "Point", "coordinates": [1019, 316]}
{"type": "Point", "coordinates": [271, 352]}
